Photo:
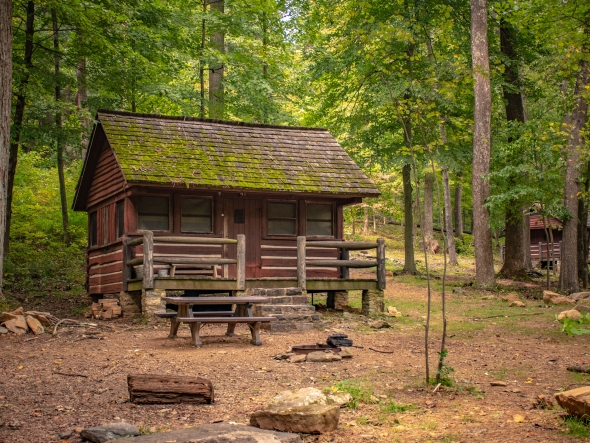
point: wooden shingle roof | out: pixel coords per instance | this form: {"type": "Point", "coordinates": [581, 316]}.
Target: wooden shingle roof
{"type": "Point", "coordinates": [219, 154]}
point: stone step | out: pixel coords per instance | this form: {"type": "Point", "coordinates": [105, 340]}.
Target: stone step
{"type": "Point", "coordinates": [288, 300]}
{"type": "Point", "coordinates": [273, 292]}
{"type": "Point", "coordinates": [284, 309]}
{"type": "Point", "coordinates": [293, 326]}
{"type": "Point", "coordinates": [296, 317]}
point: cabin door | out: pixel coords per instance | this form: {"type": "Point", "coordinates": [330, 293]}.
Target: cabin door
{"type": "Point", "coordinates": [244, 216]}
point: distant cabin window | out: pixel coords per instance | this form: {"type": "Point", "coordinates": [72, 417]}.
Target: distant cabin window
{"type": "Point", "coordinates": [92, 230]}
{"type": "Point", "coordinates": [152, 214]}
{"type": "Point", "coordinates": [105, 225]}
{"type": "Point", "coordinates": [196, 215]}
{"type": "Point", "coordinates": [120, 219]}
{"type": "Point", "coordinates": [282, 218]}
{"type": "Point", "coordinates": [320, 220]}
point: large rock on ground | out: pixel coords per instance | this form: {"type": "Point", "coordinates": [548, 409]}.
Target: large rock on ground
{"type": "Point", "coordinates": [575, 401]}
{"type": "Point", "coordinates": [111, 431]}
{"type": "Point", "coordinates": [311, 419]}
{"type": "Point", "coordinates": [219, 433]}
{"type": "Point", "coordinates": [17, 325]}
{"type": "Point", "coordinates": [322, 357]}
{"type": "Point", "coordinates": [571, 314]}
{"type": "Point", "coordinates": [308, 396]}
{"type": "Point", "coordinates": [5, 316]}
{"type": "Point", "coordinates": [580, 296]}
{"type": "Point", "coordinates": [36, 327]}
{"type": "Point", "coordinates": [553, 298]}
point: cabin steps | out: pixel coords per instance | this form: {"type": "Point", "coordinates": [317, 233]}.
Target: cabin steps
{"type": "Point", "coordinates": [289, 306]}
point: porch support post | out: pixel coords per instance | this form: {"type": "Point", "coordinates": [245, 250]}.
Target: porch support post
{"type": "Point", "coordinates": [148, 260]}
{"type": "Point", "coordinates": [381, 263]}
{"type": "Point", "coordinates": [301, 274]}
{"type": "Point", "coordinates": [241, 265]}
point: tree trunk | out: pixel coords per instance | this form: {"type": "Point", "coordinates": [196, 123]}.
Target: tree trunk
{"type": "Point", "coordinates": [5, 110]}
{"type": "Point", "coordinates": [568, 279]}
{"type": "Point", "coordinates": [583, 233]}
{"type": "Point", "coordinates": [59, 135]}
{"type": "Point", "coordinates": [365, 219]}
{"type": "Point", "coordinates": [19, 113]}
{"type": "Point", "coordinates": [202, 63]}
{"type": "Point", "coordinates": [484, 258]}
{"type": "Point", "coordinates": [514, 255]}
{"type": "Point", "coordinates": [427, 223]}
{"type": "Point", "coordinates": [161, 389]}
{"type": "Point", "coordinates": [449, 218]}
{"type": "Point", "coordinates": [216, 88]}
{"type": "Point", "coordinates": [528, 260]}
{"type": "Point", "coordinates": [409, 262]}
{"type": "Point", "coordinates": [458, 211]}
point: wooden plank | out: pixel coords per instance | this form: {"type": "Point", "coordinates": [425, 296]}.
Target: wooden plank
{"type": "Point", "coordinates": [350, 245]}
{"type": "Point", "coordinates": [195, 240]}
{"type": "Point", "coordinates": [340, 263]}
{"type": "Point", "coordinates": [344, 256]}
{"type": "Point", "coordinates": [301, 263]}
{"type": "Point", "coordinates": [105, 258]}
{"type": "Point", "coordinates": [148, 260]}
{"type": "Point", "coordinates": [213, 300]}
{"type": "Point", "coordinates": [125, 264]}
{"type": "Point", "coordinates": [165, 389]}
{"type": "Point", "coordinates": [135, 242]}
{"type": "Point", "coordinates": [241, 263]}
{"type": "Point", "coordinates": [381, 278]}
{"type": "Point", "coordinates": [195, 261]}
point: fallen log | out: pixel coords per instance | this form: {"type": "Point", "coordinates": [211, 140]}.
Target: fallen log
{"type": "Point", "coordinates": [156, 389]}
{"type": "Point", "coordinates": [582, 369]}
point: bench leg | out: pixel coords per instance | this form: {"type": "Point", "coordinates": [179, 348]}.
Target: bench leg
{"type": "Point", "coordinates": [173, 327]}
{"type": "Point", "coordinates": [196, 338]}
{"type": "Point", "coordinates": [231, 327]}
{"type": "Point", "coordinates": [255, 330]}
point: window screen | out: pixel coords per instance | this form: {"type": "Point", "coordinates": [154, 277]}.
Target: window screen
{"type": "Point", "coordinates": [196, 215]}
{"type": "Point", "coordinates": [92, 230]}
{"type": "Point", "coordinates": [152, 214]}
{"type": "Point", "coordinates": [282, 218]}
{"type": "Point", "coordinates": [320, 220]}
{"type": "Point", "coordinates": [120, 219]}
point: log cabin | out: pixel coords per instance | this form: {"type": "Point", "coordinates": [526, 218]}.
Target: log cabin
{"type": "Point", "coordinates": [188, 190]}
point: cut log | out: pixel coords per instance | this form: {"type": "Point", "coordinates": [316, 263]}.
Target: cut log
{"type": "Point", "coordinates": [157, 389]}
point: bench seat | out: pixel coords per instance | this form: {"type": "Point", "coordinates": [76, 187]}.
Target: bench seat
{"type": "Point", "coordinates": [225, 319]}
{"type": "Point", "coordinates": [162, 314]}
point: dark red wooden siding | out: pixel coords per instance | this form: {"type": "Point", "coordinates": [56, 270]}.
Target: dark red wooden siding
{"type": "Point", "coordinates": [108, 179]}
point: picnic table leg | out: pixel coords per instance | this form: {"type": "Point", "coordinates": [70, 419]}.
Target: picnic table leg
{"type": "Point", "coordinates": [255, 330]}
{"type": "Point", "coordinates": [173, 327]}
{"type": "Point", "coordinates": [231, 327]}
{"type": "Point", "coordinates": [196, 338]}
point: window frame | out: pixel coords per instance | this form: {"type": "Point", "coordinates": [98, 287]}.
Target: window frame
{"type": "Point", "coordinates": [93, 229]}
{"type": "Point", "coordinates": [267, 219]}
{"type": "Point", "coordinates": [334, 216]}
{"type": "Point", "coordinates": [105, 224]}
{"type": "Point", "coordinates": [170, 212]}
{"type": "Point", "coordinates": [119, 221]}
{"type": "Point", "coordinates": [212, 215]}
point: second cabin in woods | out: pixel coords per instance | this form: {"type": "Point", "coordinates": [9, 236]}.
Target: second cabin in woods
{"type": "Point", "coordinates": [197, 194]}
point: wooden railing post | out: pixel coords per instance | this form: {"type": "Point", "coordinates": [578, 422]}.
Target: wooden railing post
{"type": "Point", "coordinates": [148, 260]}
{"type": "Point", "coordinates": [301, 276]}
{"type": "Point", "coordinates": [381, 263]}
{"type": "Point", "coordinates": [126, 257]}
{"type": "Point", "coordinates": [241, 265]}
{"type": "Point", "coordinates": [344, 272]}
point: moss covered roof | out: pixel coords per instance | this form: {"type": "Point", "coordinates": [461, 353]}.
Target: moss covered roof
{"type": "Point", "coordinates": [205, 153]}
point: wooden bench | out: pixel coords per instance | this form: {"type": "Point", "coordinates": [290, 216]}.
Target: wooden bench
{"type": "Point", "coordinates": [175, 324]}
{"type": "Point", "coordinates": [253, 323]}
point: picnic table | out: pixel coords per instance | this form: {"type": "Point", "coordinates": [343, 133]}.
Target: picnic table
{"type": "Point", "coordinates": [241, 314]}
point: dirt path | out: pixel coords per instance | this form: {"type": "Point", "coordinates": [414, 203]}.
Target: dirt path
{"type": "Point", "coordinates": [528, 353]}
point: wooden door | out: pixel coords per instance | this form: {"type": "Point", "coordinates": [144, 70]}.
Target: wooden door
{"type": "Point", "coordinates": [244, 216]}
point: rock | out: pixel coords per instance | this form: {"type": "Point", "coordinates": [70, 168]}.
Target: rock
{"type": "Point", "coordinates": [575, 401]}
{"type": "Point", "coordinates": [298, 397]}
{"type": "Point", "coordinates": [580, 296]}
{"type": "Point", "coordinates": [498, 383]}
{"type": "Point", "coordinates": [339, 398]}
{"type": "Point", "coordinates": [517, 304]}
{"type": "Point", "coordinates": [284, 356]}
{"type": "Point", "coordinates": [378, 324]}
{"type": "Point", "coordinates": [392, 311]}
{"type": "Point", "coordinates": [571, 314]}
{"type": "Point", "coordinates": [18, 311]}
{"type": "Point", "coordinates": [581, 308]}
{"type": "Point", "coordinates": [345, 353]}
{"type": "Point", "coordinates": [322, 357]}
{"type": "Point", "coordinates": [458, 290]}
{"type": "Point", "coordinates": [310, 419]}
{"type": "Point", "coordinates": [510, 297]}
{"type": "Point", "coordinates": [553, 298]}
{"type": "Point", "coordinates": [111, 431]}
{"type": "Point", "coordinates": [219, 433]}
{"type": "Point", "coordinates": [78, 429]}
{"type": "Point", "coordinates": [18, 325]}
{"type": "Point", "coordinates": [3, 330]}
{"type": "Point", "coordinates": [65, 434]}
{"type": "Point", "coordinates": [35, 325]}
{"type": "Point", "coordinates": [5, 316]}
{"type": "Point", "coordinates": [299, 358]}
{"type": "Point", "coordinates": [41, 316]}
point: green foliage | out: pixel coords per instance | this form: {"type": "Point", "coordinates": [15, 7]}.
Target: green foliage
{"type": "Point", "coordinates": [577, 427]}
{"type": "Point", "coordinates": [360, 389]}
{"type": "Point", "coordinates": [391, 407]}
{"type": "Point", "coordinates": [573, 327]}
{"type": "Point", "coordinates": [464, 246]}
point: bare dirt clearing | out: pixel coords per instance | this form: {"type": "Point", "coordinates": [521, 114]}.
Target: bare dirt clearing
{"type": "Point", "coordinates": [527, 353]}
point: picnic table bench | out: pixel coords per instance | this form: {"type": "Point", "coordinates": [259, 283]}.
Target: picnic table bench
{"type": "Point", "coordinates": [242, 314]}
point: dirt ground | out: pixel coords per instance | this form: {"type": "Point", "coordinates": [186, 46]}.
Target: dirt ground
{"type": "Point", "coordinates": [527, 352]}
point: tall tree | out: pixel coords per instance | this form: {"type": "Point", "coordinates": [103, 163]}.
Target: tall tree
{"type": "Point", "coordinates": [583, 234]}
{"type": "Point", "coordinates": [482, 235]}
{"type": "Point", "coordinates": [5, 113]}
{"type": "Point", "coordinates": [217, 68]}
{"type": "Point", "coordinates": [409, 260]}
{"type": "Point", "coordinates": [448, 215]}
{"type": "Point", "coordinates": [458, 210]}
{"type": "Point", "coordinates": [428, 220]}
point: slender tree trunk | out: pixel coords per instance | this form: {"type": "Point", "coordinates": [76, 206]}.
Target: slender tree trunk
{"type": "Point", "coordinates": [5, 110]}
{"type": "Point", "coordinates": [528, 260]}
{"type": "Point", "coordinates": [409, 262]}
{"type": "Point", "coordinates": [59, 137]}
{"type": "Point", "coordinates": [202, 62]}
{"type": "Point", "coordinates": [449, 218]}
{"type": "Point", "coordinates": [19, 113]}
{"type": "Point", "coordinates": [216, 87]}
{"type": "Point", "coordinates": [428, 222]}
{"type": "Point", "coordinates": [568, 279]}
{"type": "Point", "coordinates": [365, 219]}
{"type": "Point", "coordinates": [353, 216]}
{"type": "Point", "coordinates": [583, 233]}
{"type": "Point", "coordinates": [484, 258]}
{"type": "Point", "coordinates": [458, 211]}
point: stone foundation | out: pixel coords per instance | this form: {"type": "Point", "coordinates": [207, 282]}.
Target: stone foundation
{"type": "Point", "coordinates": [372, 302]}
{"type": "Point", "coordinates": [151, 302]}
{"type": "Point", "coordinates": [341, 300]}
{"type": "Point", "coordinates": [130, 303]}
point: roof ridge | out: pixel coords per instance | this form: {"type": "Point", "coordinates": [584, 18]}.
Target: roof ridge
{"type": "Point", "coordinates": [206, 120]}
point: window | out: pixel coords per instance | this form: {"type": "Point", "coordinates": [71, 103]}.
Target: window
{"type": "Point", "coordinates": [152, 214]}
{"type": "Point", "coordinates": [196, 215]}
{"type": "Point", "coordinates": [92, 230]}
{"type": "Point", "coordinates": [105, 225]}
{"type": "Point", "coordinates": [320, 220]}
{"type": "Point", "coordinates": [282, 218]}
{"type": "Point", "coordinates": [120, 219]}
